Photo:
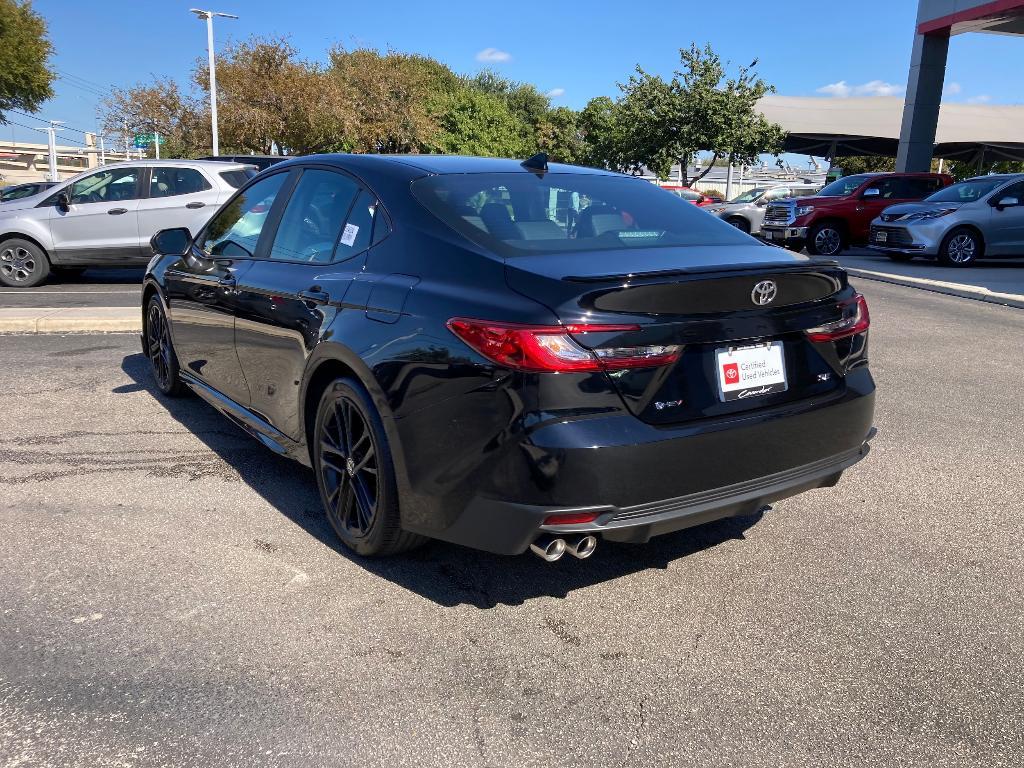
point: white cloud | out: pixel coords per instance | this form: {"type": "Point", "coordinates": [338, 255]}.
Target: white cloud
{"type": "Point", "coordinates": [493, 56]}
{"type": "Point", "coordinates": [554, 93]}
{"type": "Point", "coordinates": [952, 89]}
{"type": "Point", "coordinates": [843, 90]}
{"type": "Point", "coordinates": [983, 99]}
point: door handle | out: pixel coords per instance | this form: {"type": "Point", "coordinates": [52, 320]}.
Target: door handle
{"type": "Point", "coordinates": [195, 205]}
{"type": "Point", "coordinates": [117, 211]}
{"type": "Point", "coordinates": [315, 295]}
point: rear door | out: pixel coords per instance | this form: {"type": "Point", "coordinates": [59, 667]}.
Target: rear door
{"type": "Point", "coordinates": [287, 299]}
{"type": "Point", "coordinates": [202, 292]}
{"type": "Point", "coordinates": [175, 196]}
{"type": "Point", "coordinates": [1005, 233]}
{"type": "Point", "coordinates": [102, 224]}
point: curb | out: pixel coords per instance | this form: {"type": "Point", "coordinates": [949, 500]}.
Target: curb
{"type": "Point", "coordinates": [70, 320]}
{"type": "Point", "coordinates": [939, 286]}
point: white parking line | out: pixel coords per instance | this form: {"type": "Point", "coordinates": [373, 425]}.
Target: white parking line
{"type": "Point", "coordinates": [62, 293]}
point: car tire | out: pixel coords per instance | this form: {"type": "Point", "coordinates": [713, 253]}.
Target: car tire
{"type": "Point", "coordinates": [901, 257]}
{"type": "Point", "coordinates": [740, 223]}
{"type": "Point", "coordinates": [355, 473]}
{"type": "Point", "coordinates": [23, 264]}
{"type": "Point", "coordinates": [163, 363]}
{"type": "Point", "coordinates": [962, 247]}
{"type": "Point", "coordinates": [825, 240]}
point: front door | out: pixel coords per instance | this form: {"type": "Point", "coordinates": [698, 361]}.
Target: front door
{"type": "Point", "coordinates": [102, 223]}
{"type": "Point", "coordinates": [1005, 233]}
{"type": "Point", "coordinates": [202, 289]}
{"type": "Point", "coordinates": [286, 301]}
{"type": "Point", "coordinates": [176, 196]}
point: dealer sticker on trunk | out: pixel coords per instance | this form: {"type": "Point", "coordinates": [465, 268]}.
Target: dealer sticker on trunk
{"type": "Point", "coordinates": [746, 372]}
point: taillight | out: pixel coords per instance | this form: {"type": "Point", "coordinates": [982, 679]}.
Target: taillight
{"type": "Point", "coordinates": [552, 348]}
{"type": "Point", "coordinates": [855, 320]}
{"type": "Point", "coordinates": [570, 518]}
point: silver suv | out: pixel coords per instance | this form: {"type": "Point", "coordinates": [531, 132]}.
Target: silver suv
{"type": "Point", "coordinates": [746, 212]}
{"type": "Point", "coordinates": [983, 216]}
{"type": "Point", "coordinates": [106, 216]}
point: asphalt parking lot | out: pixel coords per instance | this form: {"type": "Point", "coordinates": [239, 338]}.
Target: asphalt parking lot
{"type": "Point", "coordinates": [173, 596]}
{"type": "Point", "coordinates": [120, 287]}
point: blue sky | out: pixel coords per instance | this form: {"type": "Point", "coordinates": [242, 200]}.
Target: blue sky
{"type": "Point", "coordinates": [574, 50]}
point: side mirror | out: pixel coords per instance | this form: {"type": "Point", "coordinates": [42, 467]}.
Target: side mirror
{"type": "Point", "coordinates": [171, 242]}
{"type": "Point", "coordinates": [1007, 202]}
{"type": "Point", "coordinates": [64, 201]}
{"type": "Point", "coordinates": [871, 192]}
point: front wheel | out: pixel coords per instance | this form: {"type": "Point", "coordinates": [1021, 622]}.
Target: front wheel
{"type": "Point", "coordinates": [162, 361]}
{"type": "Point", "coordinates": [740, 223]}
{"type": "Point", "coordinates": [354, 472]}
{"type": "Point", "coordinates": [960, 248]}
{"type": "Point", "coordinates": [825, 240]}
{"type": "Point", "coordinates": [23, 264]}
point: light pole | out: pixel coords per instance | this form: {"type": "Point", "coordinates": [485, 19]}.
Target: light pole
{"type": "Point", "coordinates": [208, 16]}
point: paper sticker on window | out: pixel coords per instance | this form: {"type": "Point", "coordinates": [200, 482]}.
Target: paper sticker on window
{"type": "Point", "coordinates": [348, 235]}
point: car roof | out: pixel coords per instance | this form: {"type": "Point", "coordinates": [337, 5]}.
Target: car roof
{"type": "Point", "coordinates": [997, 177]}
{"type": "Point", "coordinates": [437, 164]}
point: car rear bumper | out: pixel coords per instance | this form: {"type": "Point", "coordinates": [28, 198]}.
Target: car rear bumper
{"type": "Point", "coordinates": [643, 481]}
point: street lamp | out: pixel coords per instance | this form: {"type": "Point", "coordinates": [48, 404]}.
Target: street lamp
{"type": "Point", "coordinates": [208, 16]}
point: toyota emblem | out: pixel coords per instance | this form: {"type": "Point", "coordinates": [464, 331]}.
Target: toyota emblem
{"type": "Point", "coordinates": [764, 293]}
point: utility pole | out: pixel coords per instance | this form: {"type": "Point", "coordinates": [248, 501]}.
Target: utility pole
{"type": "Point", "coordinates": [156, 140]}
{"type": "Point", "coordinates": [51, 143]}
{"type": "Point", "coordinates": [208, 17]}
{"type": "Point", "coordinates": [103, 152]}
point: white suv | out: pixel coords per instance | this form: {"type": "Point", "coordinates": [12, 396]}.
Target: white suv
{"type": "Point", "coordinates": [106, 216]}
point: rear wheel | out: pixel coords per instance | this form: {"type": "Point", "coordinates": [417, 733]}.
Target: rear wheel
{"type": "Point", "coordinates": [740, 223]}
{"type": "Point", "coordinates": [825, 240]}
{"type": "Point", "coordinates": [355, 474]}
{"type": "Point", "coordinates": [162, 360]}
{"type": "Point", "coordinates": [960, 248]}
{"type": "Point", "coordinates": [23, 264]}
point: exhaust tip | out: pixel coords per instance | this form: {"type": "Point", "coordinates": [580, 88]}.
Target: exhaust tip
{"type": "Point", "coordinates": [583, 547]}
{"type": "Point", "coordinates": [548, 548]}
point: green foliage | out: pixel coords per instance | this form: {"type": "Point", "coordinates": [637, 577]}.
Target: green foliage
{"type": "Point", "coordinates": [25, 75]}
{"type": "Point", "coordinates": [472, 122]}
{"type": "Point", "coordinates": [865, 164]}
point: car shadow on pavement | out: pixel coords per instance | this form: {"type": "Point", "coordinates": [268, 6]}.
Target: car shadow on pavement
{"type": "Point", "coordinates": [446, 574]}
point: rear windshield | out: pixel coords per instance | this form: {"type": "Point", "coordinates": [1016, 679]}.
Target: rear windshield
{"type": "Point", "coordinates": [965, 191]}
{"type": "Point", "coordinates": [237, 178]}
{"type": "Point", "coordinates": [523, 213]}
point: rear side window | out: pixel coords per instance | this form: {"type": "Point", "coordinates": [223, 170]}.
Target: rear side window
{"type": "Point", "coordinates": [916, 188]}
{"type": "Point", "coordinates": [169, 181]}
{"type": "Point", "coordinates": [237, 178]}
{"type": "Point", "coordinates": [355, 237]}
{"type": "Point", "coordinates": [235, 230]}
{"type": "Point", "coordinates": [313, 220]}
{"type": "Point", "coordinates": [521, 213]}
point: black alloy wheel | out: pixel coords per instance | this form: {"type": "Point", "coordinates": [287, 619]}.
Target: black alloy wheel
{"type": "Point", "coordinates": [162, 360]}
{"type": "Point", "coordinates": [355, 474]}
{"type": "Point", "coordinates": [825, 240]}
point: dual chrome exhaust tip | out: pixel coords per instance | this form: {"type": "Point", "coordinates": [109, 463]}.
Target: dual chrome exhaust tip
{"type": "Point", "coordinates": [551, 548]}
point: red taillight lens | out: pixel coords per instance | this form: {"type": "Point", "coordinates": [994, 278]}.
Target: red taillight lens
{"type": "Point", "coordinates": [553, 349]}
{"type": "Point", "coordinates": [856, 319]}
{"type": "Point", "coordinates": [571, 518]}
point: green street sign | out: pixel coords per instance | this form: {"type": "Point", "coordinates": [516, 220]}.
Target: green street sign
{"type": "Point", "coordinates": [143, 140]}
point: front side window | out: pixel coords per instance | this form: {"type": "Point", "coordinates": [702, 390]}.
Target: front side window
{"type": "Point", "coordinates": [235, 230]}
{"type": "Point", "coordinates": [168, 181]}
{"type": "Point", "coordinates": [520, 213]}
{"type": "Point", "coordinates": [749, 196]}
{"type": "Point", "coordinates": [107, 186]}
{"type": "Point", "coordinates": [312, 222]}
{"type": "Point", "coordinates": [889, 188]}
{"type": "Point", "coordinates": [966, 191]}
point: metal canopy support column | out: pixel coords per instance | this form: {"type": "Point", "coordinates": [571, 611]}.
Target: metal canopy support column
{"type": "Point", "coordinates": [924, 96]}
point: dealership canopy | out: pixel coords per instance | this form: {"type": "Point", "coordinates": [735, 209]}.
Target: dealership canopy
{"type": "Point", "coordinates": [871, 126]}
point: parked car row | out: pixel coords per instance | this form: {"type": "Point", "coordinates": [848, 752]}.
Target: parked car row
{"type": "Point", "coordinates": [107, 216]}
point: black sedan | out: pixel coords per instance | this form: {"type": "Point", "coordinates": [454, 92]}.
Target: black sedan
{"type": "Point", "coordinates": [511, 355]}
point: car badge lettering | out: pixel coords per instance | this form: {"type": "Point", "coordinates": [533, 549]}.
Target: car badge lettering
{"type": "Point", "coordinates": [764, 293]}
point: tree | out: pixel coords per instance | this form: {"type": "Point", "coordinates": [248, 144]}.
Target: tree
{"type": "Point", "coordinates": [699, 109]}
{"type": "Point", "coordinates": [559, 134]}
{"type": "Point", "coordinates": [25, 75]}
{"type": "Point", "coordinates": [181, 119]}
{"type": "Point", "coordinates": [475, 123]}
{"type": "Point", "coordinates": [602, 136]}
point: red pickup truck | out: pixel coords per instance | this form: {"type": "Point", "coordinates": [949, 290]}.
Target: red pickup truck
{"type": "Point", "coordinates": [840, 214]}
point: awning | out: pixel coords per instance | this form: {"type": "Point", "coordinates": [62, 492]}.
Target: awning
{"type": "Point", "coordinates": [871, 126]}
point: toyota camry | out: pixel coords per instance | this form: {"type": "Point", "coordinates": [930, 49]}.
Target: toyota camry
{"type": "Point", "coordinates": [511, 355]}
